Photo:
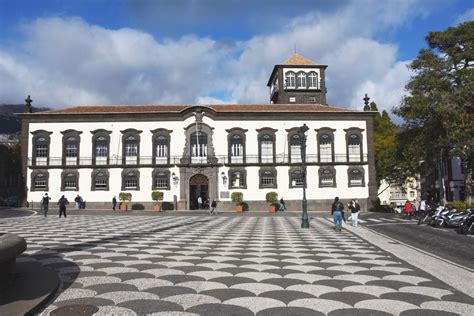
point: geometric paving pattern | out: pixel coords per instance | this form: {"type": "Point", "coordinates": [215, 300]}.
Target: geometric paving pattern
{"type": "Point", "coordinates": [206, 265]}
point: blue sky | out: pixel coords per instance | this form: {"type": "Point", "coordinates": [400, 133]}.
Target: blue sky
{"type": "Point", "coordinates": [72, 52]}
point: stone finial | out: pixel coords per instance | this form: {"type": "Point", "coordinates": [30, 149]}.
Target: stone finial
{"type": "Point", "coordinates": [28, 108]}
{"type": "Point", "coordinates": [366, 102]}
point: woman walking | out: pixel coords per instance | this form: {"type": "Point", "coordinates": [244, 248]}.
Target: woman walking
{"type": "Point", "coordinates": [336, 212]}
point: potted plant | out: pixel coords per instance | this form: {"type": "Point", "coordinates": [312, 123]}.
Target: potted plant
{"type": "Point", "coordinates": [238, 197]}
{"type": "Point", "coordinates": [272, 198]}
{"type": "Point", "coordinates": [157, 196]}
{"type": "Point", "coordinates": [123, 197]}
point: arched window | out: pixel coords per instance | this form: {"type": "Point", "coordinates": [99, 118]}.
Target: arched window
{"type": "Point", "coordinates": [296, 178]}
{"type": "Point", "coordinates": [70, 181]}
{"type": "Point", "coordinates": [325, 147]}
{"type": "Point", "coordinates": [40, 146]}
{"type": "Point", "coordinates": [268, 178]}
{"type": "Point", "coordinates": [313, 80]}
{"type": "Point", "coordinates": [39, 181]}
{"type": "Point", "coordinates": [354, 148]}
{"type": "Point", "coordinates": [131, 146]}
{"type": "Point", "coordinates": [301, 80]}
{"type": "Point", "coordinates": [100, 146]}
{"type": "Point", "coordinates": [327, 177]}
{"type": "Point", "coordinates": [199, 147]}
{"type": "Point", "coordinates": [356, 177]}
{"type": "Point", "coordinates": [295, 148]}
{"type": "Point", "coordinates": [237, 179]}
{"type": "Point", "coordinates": [100, 180]}
{"type": "Point", "coordinates": [71, 141]}
{"type": "Point", "coordinates": [161, 149]}
{"type": "Point", "coordinates": [130, 180]}
{"type": "Point", "coordinates": [236, 144]}
{"type": "Point", "coordinates": [161, 180]}
{"type": "Point", "coordinates": [290, 80]}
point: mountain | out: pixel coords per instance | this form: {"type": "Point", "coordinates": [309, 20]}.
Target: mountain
{"type": "Point", "coordinates": [10, 123]}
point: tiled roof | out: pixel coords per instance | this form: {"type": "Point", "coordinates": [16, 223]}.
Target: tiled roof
{"type": "Point", "coordinates": [227, 108]}
{"type": "Point", "coordinates": [297, 59]}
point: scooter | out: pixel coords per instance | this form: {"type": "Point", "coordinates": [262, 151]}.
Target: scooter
{"type": "Point", "coordinates": [440, 210]}
{"type": "Point", "coordinates": [455, 220]}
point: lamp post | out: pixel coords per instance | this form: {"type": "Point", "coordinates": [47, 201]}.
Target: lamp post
{"type": "Point", "coordinates": [441, 178]}
{"type": "Point", "coordinates": [302, 132]}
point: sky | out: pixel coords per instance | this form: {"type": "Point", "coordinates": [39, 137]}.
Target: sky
{"type": "Point", "coordinates": [66, 53]}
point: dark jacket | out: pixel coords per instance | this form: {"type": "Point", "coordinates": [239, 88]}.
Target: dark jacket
{"type": "Point", "coordinates": [63, 202]}
{"type": "Point", "coordinates": [337, 206]}
{"type": "Point", "coordinates": [214, 204]}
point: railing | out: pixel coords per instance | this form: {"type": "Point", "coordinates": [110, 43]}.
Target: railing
{"type": "Point", "coordinates": [182, 160]}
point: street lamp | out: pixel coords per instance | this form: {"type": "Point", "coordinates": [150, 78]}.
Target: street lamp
{"type": "Point", "coordinates": [302, 133]}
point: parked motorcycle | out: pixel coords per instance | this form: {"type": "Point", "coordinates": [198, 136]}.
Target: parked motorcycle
{"type": "Point", "coordinates": [467, 225]}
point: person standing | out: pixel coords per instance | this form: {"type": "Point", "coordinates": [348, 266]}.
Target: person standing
{"type": "Point", "coordinates": [282, 206]}
{"type": "Point", "coordinates": [78, 201]}
{"type": "Point", "coordinates": [336, 212]}
{"type": "Point", "coordinates": [408, 209]}
{"type": "Point", "coordinates": [422, 211]}
{"type": "Point", "coordinates": [200, 202]}
{"type": "Point", "coordinates": [114, 203]}
{"type": "Point", "coordinates": [45, 204]}
{"type": "Point", "coordinates": [62, 206]}
{"type": "Point", "coordinates": [213, 207]}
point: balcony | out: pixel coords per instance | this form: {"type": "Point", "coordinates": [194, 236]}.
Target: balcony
{"type": "Point", "coordinates": [148, 161]}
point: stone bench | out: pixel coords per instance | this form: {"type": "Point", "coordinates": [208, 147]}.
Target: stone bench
{"type": "Point", "coordinates": [11, 246]}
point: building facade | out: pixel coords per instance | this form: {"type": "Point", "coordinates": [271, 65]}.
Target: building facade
{"type": "Point", "coordinates": [187, 151]}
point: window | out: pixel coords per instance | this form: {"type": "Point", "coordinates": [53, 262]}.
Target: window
{"type": "Point", "coordinates": [356, 177]}
{"type": "Point", "coordinates": [296, 178]}
{"type": "Point", "coordinates": [327, 177]}
{"type": "Point", "coordinates": [70, 180]}
{"type": "Point", "coordinates": [236, 149]}
{"type": "Point", "coordinates": [313, 80]}
{"type": "Point", "coordinates": [40, 147]}
{"type": "Point", "coordinates": [301, 80]}
{"type": "Point", "coordinates": [100, 146]}
{"type": "Point", "coordinates": [354, 144]}
{"type": "Point", "coordinates": [100, 180]}
{"type": "Point", "coordinates": [292, 99]}
{"type": "Point", "coordinates": [290, 79]}
{"type": "Point", "coordinates": [130, 180]}
{"type": "Point", "coordinates": [325, 148]}
{"type": "Point", "coordinates": [312, 99]}
{"type": "Point", "coordinates": [199, 147]}
{"type": "Point", "coordinates": [268, 178]}
{"type": "Point", "coordinates": [131, 142]}
{"type": "Point", "coordinates": [266, 145]}
{"type": "Point", "coordinates": [71, 147]}
{"type": "Point", "coordinates": [39, 181]}
{"type": "Point", "coordinates": [161, 180]}
{"type": "Point", "coordinates": [295, 148]}
{"type": "Point", "coordinates": [161, 146]}
{"type": "Point", "coordinates": [237, 179]}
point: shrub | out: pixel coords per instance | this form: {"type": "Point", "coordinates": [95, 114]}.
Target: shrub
{"type": "Point", "coordinates": [271, 197]}
{"type": "Point", "coordinates": [125, 196]}
{"type": "Point", "coordinates": [157, 196]}
{"type": "Point", "coordinates": [460, 206]}
{"type": "Point", "coordinates": [237, 197]}
{"type": "Point", "coordinates": [138, 207]}
{"type": "Point", "coordinates": [167, 206]}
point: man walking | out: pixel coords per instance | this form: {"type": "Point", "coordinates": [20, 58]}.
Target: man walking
{"type": "Point", "coordinates": [422, 211]}
{"type": "Point", "coordinates": [114, 203]}
{"type": "Point", "coordinates": [213, 207]}
{"type": "Point", "coordinates": [62, 206]}
{"type": "Point", "coordinates": [45, 204]}
{"type": "Point", "coordinates": [200, 202]}
{"type": "Point", "coordinates": [336, 212]}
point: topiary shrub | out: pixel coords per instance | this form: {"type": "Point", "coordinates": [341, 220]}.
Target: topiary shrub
{"type": "Point", "coordinates": [271, 198]}
{"type": "Point", "coordinates": [125, 196]}
{"type": "Point", "coordinates": [167, 206]}
{"type": "Point", "coordinates": [237, 197]}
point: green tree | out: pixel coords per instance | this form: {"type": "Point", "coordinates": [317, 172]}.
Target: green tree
{"type": "Point", "coordinates": [438, 110]}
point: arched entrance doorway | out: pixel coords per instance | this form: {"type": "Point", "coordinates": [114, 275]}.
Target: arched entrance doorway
{"type": "Point", "coordinates": [198, 187]}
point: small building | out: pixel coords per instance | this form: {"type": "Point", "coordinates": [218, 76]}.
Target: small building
{"type": "Point", "coordinates": [210, 151]}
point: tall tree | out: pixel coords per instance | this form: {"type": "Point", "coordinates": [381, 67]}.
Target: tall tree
{"type": "Point", "coordinates": [438, 110]}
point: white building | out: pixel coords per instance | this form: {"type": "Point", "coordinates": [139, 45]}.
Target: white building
{"type": "Point", "coordinates": [191, 150]}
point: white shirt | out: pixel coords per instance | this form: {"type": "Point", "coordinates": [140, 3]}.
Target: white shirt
{"type": "Point", "coordinates": [423, 205]}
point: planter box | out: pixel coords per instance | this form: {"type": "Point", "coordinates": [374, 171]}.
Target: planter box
{"type": "Point", "coordinates": [272, 209]}
{"type": "Point", "coordinates": [239, 208]}
{"type": "Point", "coordinates": [157, 208]}
{"type": "Point", "coordinates": [123, 207]}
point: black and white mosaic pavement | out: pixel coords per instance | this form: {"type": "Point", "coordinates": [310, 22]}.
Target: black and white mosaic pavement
{"type": "Point", "coordinates": [203, 265]}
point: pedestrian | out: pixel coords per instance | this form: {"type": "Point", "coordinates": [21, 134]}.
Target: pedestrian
{"type": "Point", "coordinates": [422, 211]}
{"type": "Point", "coordinates": [282, 206]}
{"type": "Point", "coordinates": [408, 209]}
{"type": "Point", "coordinates": [45, 204]}
{"type": "Point", "coordinates": [114, 203]}
{"type": "Point", "coordinates": [336, 212]}
{"type": "Point", "coordinates": [355, 207]}
{"type": "Point", "coordinates": [78, 201]}
{"type": "Point", "coordinates": [62, 206]}
{"type": "Point", "coordinates": [200, 202]}
{"type": "Point", "coordinates": [213, 207]}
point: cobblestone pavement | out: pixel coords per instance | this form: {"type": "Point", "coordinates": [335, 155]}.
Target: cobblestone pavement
{"type": "Point", "coordinates": [219, 265]}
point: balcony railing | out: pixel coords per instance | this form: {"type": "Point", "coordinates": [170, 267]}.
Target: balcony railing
{"type": "Point", "coordinates": [206, 160]}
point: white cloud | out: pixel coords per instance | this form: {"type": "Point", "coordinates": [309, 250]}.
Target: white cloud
{"type": "Point", "coordinates": [466, 16]}
{"type": "Point", "coordinates": [66, 61]}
